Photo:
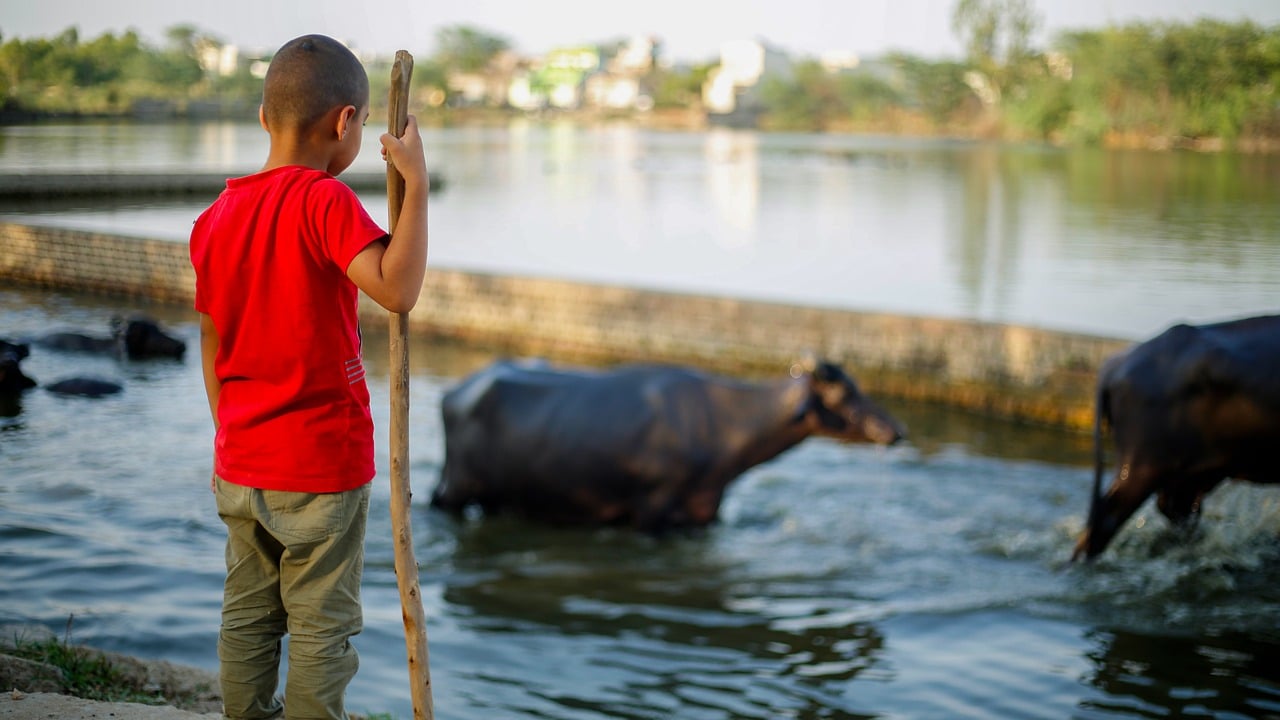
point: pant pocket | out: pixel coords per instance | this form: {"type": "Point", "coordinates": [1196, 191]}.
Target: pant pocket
{"type": "Point", "coordinates": [295, 518]}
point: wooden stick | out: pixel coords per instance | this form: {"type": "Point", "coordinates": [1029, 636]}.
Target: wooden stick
{"type": "Point", "coordinates": [415, 622]}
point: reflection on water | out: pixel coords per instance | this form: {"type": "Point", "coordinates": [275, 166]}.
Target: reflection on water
{"type": "Point", "coordinates": [986, 257]}
{"type": "Point", "coordinates": [1221, 675]}
{"type": "Point", "coordinates": [733, 179]}
{"type": "Point", "coordinates": [1114, 243]}
{"type": "Point", "coordinates": [653, 624]}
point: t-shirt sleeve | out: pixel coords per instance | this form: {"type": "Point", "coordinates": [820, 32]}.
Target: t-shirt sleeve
{"type": "Point", "coordinates": [198, 247]}
{"type": "Point", "coordinates": [344, 226]}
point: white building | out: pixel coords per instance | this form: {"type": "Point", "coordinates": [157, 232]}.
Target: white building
{"type": "Point", "coordinates": [732, 88]}
{"type": "Point", "coordinates": [220, 60]}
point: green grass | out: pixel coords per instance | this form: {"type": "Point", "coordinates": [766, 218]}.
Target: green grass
{"type": "Point", "coordinates": [86, 673]}
{"type": "Point", "coordinates": [90, 674]}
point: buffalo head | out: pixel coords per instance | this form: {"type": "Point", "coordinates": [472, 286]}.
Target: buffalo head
{"type": "Point", "coordinates": [836, 408]}
{"type": "Point", "coordinates": [12, 381]}
{"type": "Point", "coordinates": [139, 337]}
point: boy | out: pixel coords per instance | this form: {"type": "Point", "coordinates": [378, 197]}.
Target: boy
{"type": "Point", "coordinates": [278, 259]}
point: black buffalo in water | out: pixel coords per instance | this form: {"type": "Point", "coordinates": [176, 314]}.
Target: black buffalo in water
{"type": "Point", "coordinates": [651, 447]}
{"type": "Point", "coordinates": [84, 387]}
{"type": "Point", "coordinates": [12, 380]}
{"type": "Point", "coordinates": [135, 338]}
{"type": "Point", "coordinates": [1187, 409]}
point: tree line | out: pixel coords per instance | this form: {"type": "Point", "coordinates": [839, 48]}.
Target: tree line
{"type": "Point", "coordinates": [111, 74]}
{"type": "Point", "coordinates": [1143, 82]}
{"type": "Point", "coordinates": [1139, 83]}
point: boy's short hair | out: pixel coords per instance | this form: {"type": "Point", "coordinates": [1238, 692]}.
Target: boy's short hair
{"type": "Point", "coordinates": [308, 77]}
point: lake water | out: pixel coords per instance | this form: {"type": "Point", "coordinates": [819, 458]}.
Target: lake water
{"type": "Point", "coordinates": [927, 580]}
{"type": "Point", "coordinates": [1112, 243]}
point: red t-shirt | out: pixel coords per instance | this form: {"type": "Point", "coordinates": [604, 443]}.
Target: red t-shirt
{"type": "Point", "coordinates": [270, 257]}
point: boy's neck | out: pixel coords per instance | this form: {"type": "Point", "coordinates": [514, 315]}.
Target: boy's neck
{"type": "Point", "coordinates": [293, 149]}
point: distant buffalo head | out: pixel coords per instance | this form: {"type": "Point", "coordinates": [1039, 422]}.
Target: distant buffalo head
{"type": "Point", "coordinates": [12, 381]}
{"type": "Point", "coordinates": [836, 408]}
{"type": "Point", "coordinates": [140, 337]}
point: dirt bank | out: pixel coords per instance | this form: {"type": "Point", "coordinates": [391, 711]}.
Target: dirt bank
{"type": "Point", "coordinates": [16, 705]}
{"type": "Point", "coordinates": [39, 688]}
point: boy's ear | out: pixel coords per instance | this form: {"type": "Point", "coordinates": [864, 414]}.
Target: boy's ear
{"type": "Point", "coordinates": [345, 118]}
{"type": "Point", "coordinates": [262, 118]}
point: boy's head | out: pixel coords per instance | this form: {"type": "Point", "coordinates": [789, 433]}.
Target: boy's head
{"type": "Point", "coordinates": [309, 77]}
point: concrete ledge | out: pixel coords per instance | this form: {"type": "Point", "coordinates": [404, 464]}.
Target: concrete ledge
{"type": "Point", "coordinates": [1016, 372]}
{"type": "Point", "coordinates": [55, 185]}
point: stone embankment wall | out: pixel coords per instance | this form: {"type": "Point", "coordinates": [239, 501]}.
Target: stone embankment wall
{"type": "Point", "coordinates": [1022, 373]}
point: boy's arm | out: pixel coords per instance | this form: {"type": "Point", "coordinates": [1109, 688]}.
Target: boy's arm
{"type": "Point", "coordinates": [208, 352]}
{"type": "Point", "coordinates": [212, 388]}
{"type": "Point", "coordinates": [392, 274]}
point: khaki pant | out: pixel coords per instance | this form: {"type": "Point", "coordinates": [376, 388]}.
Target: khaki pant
{"type": "Point", "coordinates": [294, 562]}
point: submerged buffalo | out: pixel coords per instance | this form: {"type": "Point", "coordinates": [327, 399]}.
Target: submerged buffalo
{"type": "Point", "coordinates": [135, 338]}
{"type": "Point", "coordinates": [84, 387]}
{"type": "Point", "coordinates": [1187, 409]}
{"type": "Point", "coordinates": [651, 447]}
{"type": "Point", "coordinates": [13, 380]}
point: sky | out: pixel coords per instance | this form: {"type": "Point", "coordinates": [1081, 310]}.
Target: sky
{"type": "Point", "coordinates": [691, 30]}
